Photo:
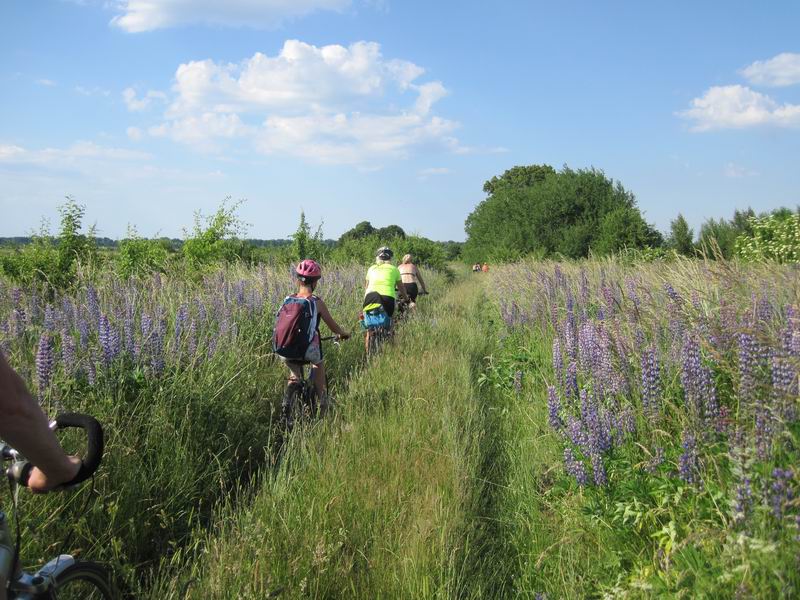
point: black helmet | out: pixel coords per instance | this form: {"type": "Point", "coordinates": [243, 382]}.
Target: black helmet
{"type": "Point", "coordinates": [384, 253]}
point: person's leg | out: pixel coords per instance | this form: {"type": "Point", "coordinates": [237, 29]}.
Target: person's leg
{"type": "Point", "coordinates": [295, 372]}
{"type": "Point", "coordinates": [2, 588]}
{"type": "Point", "coordinates": [318, 377]}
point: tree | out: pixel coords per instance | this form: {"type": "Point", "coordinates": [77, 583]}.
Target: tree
{"type": "Point", "coordinates": [535, 210]}
{"type": "Point", "coordinates": [390, 232]}
{"type": "Point", "coordinates": [361, 230]}
{"type": "Point", "coordinates": [304, 243]}
{"type": "Point", "coordinates": [681, 237]}
{"type": "Point", "coordinates": [519, 177]}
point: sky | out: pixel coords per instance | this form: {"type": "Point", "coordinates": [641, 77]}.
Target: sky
{"type": "Point", "coordinates": [146, 111]}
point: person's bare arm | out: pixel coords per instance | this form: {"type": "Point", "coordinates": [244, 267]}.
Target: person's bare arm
{"type": "Point", "coordinates": [333, 325]}
{"type": "Point", "coordinates": [25, 427]}
{"type": "Point", "coordinates": [421, 280]}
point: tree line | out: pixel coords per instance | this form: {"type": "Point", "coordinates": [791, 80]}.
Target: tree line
{"type": "Point", "coordinates": [538, 211]}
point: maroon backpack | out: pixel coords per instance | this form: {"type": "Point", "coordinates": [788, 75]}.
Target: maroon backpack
{"type": "Point", "coordinates": [295, 326]}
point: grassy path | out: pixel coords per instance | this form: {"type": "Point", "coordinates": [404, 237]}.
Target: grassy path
{"type": "Point", "coordinates": [379, 501]}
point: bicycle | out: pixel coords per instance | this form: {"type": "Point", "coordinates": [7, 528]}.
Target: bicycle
{"type": "Point", "coordinates": [301, 389]}
{"type": "Point", "coordinates": [64, 576]}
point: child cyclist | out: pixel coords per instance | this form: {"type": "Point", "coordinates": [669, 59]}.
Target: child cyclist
{"type": "Point", "coordinates": [308, 273]}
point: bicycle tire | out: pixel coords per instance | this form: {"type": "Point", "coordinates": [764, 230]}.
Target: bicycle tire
{"type": "Point", "coordinates": [84, 581]}
{"type": "Point", "coordinates": [294, 392]}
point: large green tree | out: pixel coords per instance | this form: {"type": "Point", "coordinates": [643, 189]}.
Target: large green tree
{"type": "Point", "coordinates": [681, 237]}
{"type": "Point", "coordinates": [537, 210]}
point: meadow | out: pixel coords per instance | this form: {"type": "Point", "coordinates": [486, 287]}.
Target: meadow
{"type": "Point", "coordinates": [598, 428]}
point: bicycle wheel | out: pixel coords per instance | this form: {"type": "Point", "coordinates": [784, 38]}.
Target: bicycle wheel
{"type": "Point", "coordinates": [294, 392]}
{"type": "Point", "coordinates": [83, 581]}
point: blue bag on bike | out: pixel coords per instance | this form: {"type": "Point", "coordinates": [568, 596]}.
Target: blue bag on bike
{"type": "Point", "coordinates": [377, 318]}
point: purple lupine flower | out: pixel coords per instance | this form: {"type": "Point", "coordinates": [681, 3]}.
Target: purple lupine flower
{"type": "Point", "coordinates": [744, 500]}
{"type": "Point", "coordinates": [558, 361]}
{"type": "Point", "coordinates": [780, 491]}
{"type": "Point", "coordinates": [764, 429]}
{"type": "Point", "coordinates": [109, 341]}
{"type": "Point", "coordinates": [577, 434]}
{"type": "Point", "coordinates": [688, 461]}
{"type": "Point", "coordinates": [181, 319]}
{"type": "Point", "coordinates": [651, 382]}
{"type": "Point", "coordinates": [747, 365]}
{"type": "Point", "coordinates": [575, 467]}
{"type": "Point", "coordinates": [49, 322]}
{"type": "Point", "coordinates": [129, 327]}
{"type": "Point", "coordinates": [157, 350]}
{"type": "Point", "coordinates": [5, 335]}
{"type": "Point", "coordinates": [83, 333]}
{"type": "Point", "coordinates": [91, 369]}
{"type": "Point", "coordinates": [44, 363]}
{"type": "Point", "coordinates": [192, 341]}
{"type": "Point", "coordinates": [571, 382]}
{"type": "Point", "coordinates": [598, 470]}
{"type": "Point", "coordinates": [68, 351]}
{"type": "Point", "coordinates": [554, 409]}
{"type": "Point", "coordinates": [93, 304]}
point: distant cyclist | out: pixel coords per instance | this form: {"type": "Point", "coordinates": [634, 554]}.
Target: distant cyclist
{"type": "Point", "coordinates": [383, 283]}
{"type": "Point", "coordinates": [308, 273]}
{"type": "Point", "coordinates": [412, 278]}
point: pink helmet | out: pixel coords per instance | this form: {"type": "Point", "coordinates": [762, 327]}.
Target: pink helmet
{"type": "Point", "coordinates": [308, 268]}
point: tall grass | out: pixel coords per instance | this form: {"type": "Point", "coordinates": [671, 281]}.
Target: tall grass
{"type": "Point", "coordinates": [181, 377]}
{"type": "Point", "coordinates": [374, 503]}
{"type": "Point", "coordinates": [663, 458]}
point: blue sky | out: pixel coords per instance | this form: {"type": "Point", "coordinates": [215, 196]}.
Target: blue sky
{"type": "Point", "coordinates": [388, 111]}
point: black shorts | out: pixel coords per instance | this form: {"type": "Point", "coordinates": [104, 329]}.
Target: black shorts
{"type": "Point", "coordinates": [376, 298]}
{"type": "Point", "coordinates": [413, 291]}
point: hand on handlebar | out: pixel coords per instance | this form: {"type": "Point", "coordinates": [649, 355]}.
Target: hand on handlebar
{"type": "Point", "coordinates": [343, 336]}
{"type": "Point", "coordinates": [39, 483]}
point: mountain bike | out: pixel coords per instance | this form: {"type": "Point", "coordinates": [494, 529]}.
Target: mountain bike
{"type": "Point", "coordinates": [64, 576]}
{"type": "Point", "coordinates": [301, 392]}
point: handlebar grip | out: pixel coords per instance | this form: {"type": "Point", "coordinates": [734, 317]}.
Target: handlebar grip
{"type": "Point", "coordinates": [94, 443]}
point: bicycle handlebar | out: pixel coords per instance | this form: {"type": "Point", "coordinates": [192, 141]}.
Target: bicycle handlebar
{"type": "Point", "coordinates": [20, 470]}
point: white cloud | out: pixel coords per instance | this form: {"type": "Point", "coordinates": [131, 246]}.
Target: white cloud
{"type": "Point", "coordinates": [134, 133]}
{"type": "Point", "coordinates": [91, 91]}
{"type": "Point", "coordinates": [330, 104]}
{"type": "Point", "coordinates": [735, 171]}
{"type": "Point", "coordinates": [738, 107]}
{"type": "Point", "coordinates": [146, 15]}
{"type": "Point", "coordinates": [435, 171]}
{"type": "Point", "coordinates": [46, 82]}
{"type": "Point", "coordinates": [135, 104]}
{"type": "Point", "coordinates": [79, 153]}
{"type": "Point", "coordinates": [779, 71]}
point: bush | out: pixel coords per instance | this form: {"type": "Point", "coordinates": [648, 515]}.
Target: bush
{"type": "Point", "coordinates": [53, 262]}
{"type": "Point", "coordinates": [139, 256]}
{"type": "Point", "coordinates": [775, 237]}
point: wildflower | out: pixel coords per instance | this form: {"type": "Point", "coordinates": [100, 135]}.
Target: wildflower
{"type": "Point", "coordinates": [44, 363]}
{"type": "Point", "coordinates": [688, 461]}
{"type": "Point", "coordinates": [781, 491]}
{"type": "Point", "coordinates": [68, 351]}
{"type": "Point", "coordinates": [575, 467]}
{"type": "Point", "coordinates": [598, 470]}
{"type": "Point", "coordinates": [651, 384]}
{"type": "Point", "coordinates": [554, 409]}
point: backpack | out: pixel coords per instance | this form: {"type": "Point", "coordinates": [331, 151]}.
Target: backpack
{"type": "Point", "coordinates": [377, 318]}
{"type": "Point", "coordinates": [295, 326]}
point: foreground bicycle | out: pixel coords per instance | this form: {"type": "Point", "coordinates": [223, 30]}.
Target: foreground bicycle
{"type": "Point", "coordinates": [64, 576]}
{"type": "Point", "coordinates": [301, 393]}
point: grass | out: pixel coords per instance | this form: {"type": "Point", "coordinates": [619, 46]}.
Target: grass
{"type": "Point", "coordinates": [374, 502]}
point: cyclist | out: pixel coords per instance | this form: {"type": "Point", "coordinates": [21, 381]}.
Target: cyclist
{"type": "Point", "coordinates": [383, 283]}
{"type": "Point", "coordinates": [412, 278]}
{"type": "Point", "coordinates": [24, 426]}
{"type": "Point", "coordinates": [308, 273]}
